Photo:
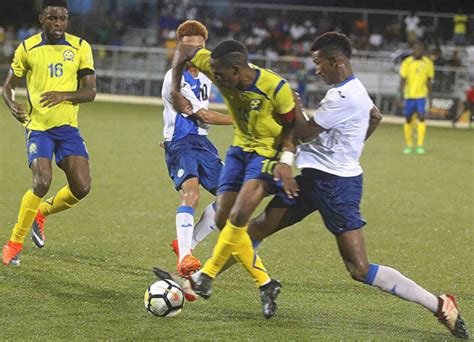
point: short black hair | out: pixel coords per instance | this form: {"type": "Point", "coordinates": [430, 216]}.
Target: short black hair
{"type": "Point", "coordinates": [332, 42]}
{"type": "Point", "coordinates": [230, 52]}
{"type": "Point", "coordinates": [54, 3]}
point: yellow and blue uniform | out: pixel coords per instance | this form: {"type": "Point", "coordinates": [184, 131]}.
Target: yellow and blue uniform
{"type": "Point", "coordinates": [417, 73]}
{"type": "Point", "coordinates": [257, 134]}
{"type": "Point", "coordinates": [47, 67]}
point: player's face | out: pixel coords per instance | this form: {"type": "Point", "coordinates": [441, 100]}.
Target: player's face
{"type": "Point", "coordinates": [54, 22]}
{"type": "Point", "coordinates": [418, 51]}
{"type": "Point", "coordinates": [225, 76]}
{"type": "Point", "coordinates": [325, 67]}
{"type": "Point", "coordinates": [194, 41]}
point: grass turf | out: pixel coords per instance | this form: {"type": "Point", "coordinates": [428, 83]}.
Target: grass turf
{"type": "Point", "coordinates": [89, 280]}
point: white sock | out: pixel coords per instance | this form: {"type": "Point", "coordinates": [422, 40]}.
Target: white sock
{"type": "Point", "coordinates": [392, 281]}
{"type": "Point", "coordinates": [184, 230]}
{"type": "Point", "coordinates": [205, 225]}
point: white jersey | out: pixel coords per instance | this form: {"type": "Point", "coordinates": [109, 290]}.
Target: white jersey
{"type": "Point", "coordinates": [197, 91]}
{"type": "Point", "coordinates": [344, 113]}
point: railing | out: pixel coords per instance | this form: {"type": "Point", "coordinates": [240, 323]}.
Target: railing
{"type": "Point", "coordinates": [140, 71]}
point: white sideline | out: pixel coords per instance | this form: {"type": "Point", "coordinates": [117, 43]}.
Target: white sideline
{"type": "Point", "coordinates": [148, 100]}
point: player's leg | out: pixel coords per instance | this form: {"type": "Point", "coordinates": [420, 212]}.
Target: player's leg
{"type": "Point", "coordinates": [205, 226]}
{"type": "Point", "coordinates": [352, 249]}
{"type": "Point", "coordinates": [210, 168]}
{"type": "Point", "coordinates": [421, 127]}
{"type": "Point", "coordinates": [408, 110]}
{"type": "Point", "coordinates": [190, 195]}
{"type": "Point", "coordinates": [72, 157]}
{"type": "Point", "coordinates": [41, 170]}
{"type": "Point", "coordinates": [40, 149]}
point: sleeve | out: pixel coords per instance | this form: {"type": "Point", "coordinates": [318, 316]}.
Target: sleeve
{"type": "Point", "coordinates": [404, 69]}
{"type": "Point", "coordinates": [20, 61]}
{"type": "Point", "coordinates": [431, 70]}
{"type": "Point", "coordinates": [187, 92]}
{"type": "Point", "coordinates": [330, 112]}
{"type": "Point", "coordinates": [201, 60]}
{"type": "Point", "coordinates": [86, 57]}
{"type": "Point", "coordinates": [283, 98]}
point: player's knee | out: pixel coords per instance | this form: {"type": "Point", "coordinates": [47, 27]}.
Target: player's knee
{"type": "Point", "coordinates": [81, 190]}
{"type": "Point", "coordinates": [41, 183]}
{"type": "Point", "coordinates": [238, 218]}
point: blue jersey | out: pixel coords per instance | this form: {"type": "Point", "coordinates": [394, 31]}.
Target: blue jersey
{"type": "Point", "coordinates": [196, 90]}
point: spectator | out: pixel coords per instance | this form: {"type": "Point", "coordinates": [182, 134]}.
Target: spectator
{"type": "Point", "coordinates": [460, 28]}
{"type": "Point", "coordinates": [411, 22]}
{"type": "Point", "coordinates": [439, 84]}
{"type": "Point", "coordinates": [361, 41]}
{"type": "Point", "coordinates": [468, 107]}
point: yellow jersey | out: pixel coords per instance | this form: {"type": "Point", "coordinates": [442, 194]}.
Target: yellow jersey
{"type": "Point", "coordinates": [254, 110]}
{"type": "Point", "coordinates": [416, 72]}
{"type": "Point", "coordinates": [51, 67]}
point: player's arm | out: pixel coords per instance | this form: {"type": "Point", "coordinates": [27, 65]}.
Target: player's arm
{"type": "Point", "coordinates": [401, 87]}
{"type": "Point", "coordinates": [182, 55]}
{"type": "Point", "coordinates": [8, 94]}
{"type": "Point", "coordinates": [214, 118]}
{"type": "Point", "coordinates": [286, 105]}
{"type": "Point", "coordinates": [86, 93]}
{"type": "Point", "coordinates": [374, 120]}
{"type": "Point", "coordinates": [305, 127]}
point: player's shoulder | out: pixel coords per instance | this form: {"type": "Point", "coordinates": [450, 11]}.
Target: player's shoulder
{"type": "Point", "coordinates": [75, 41]}
{"type": "Point", "coordinates": [427, 60]}
{"type": "Point", "coordinates": [269, 81]}
{"type": "Point", "coordinates": [33, 41]}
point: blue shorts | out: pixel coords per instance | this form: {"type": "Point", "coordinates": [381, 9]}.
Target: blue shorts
{"type": "Point", "coordinates": [241, 166]}
{"type": "Point", "coordinates": [63, 141]}
{"type": "Point", "coordinates": [193, 156]}
{"type": "Point", "coordinates": [412, 106]}
{"type": "Point", "coordinates": [336, 198]}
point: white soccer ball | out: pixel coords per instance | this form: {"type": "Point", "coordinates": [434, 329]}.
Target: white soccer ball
{"type": "Point", "coordinates": [164, 298]}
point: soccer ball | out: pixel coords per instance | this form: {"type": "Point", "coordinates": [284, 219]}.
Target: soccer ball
{"type": "Point", "coordinates": [164, 298]}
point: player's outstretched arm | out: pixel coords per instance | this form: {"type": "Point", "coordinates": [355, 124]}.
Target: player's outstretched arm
{"type": "Point", "coordinates": [85, 93]}
{"type": "Point", "coordinates": [375, 118]}
{"type": "Point", "coordinates": [183, 54]}
{"type": "Point", "coordinates": [214, 118]}
{"type": "Point", "coordinates": [11, 82]}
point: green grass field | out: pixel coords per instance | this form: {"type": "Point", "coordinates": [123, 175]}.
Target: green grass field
{"type": "Point", "coordinates": [89, 280]}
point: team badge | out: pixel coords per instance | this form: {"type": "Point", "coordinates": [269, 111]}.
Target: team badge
{"type": "Point", "coordinates": [68, 55]}
{"type": "Point", "coordinates": [255, 104]}
{"type": "Point", "coordinates": [33, 148]}
{"type": "Point", "coordinates": [180, 173]}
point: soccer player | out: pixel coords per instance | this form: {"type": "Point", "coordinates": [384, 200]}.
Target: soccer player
{"type": "Point", "coordinates": [262, 106]}
{"type": "Point", "coordinates": [416, 72]}
{"type": "Point", "coordinates": [191, 158]}
{"type": "Point", "coordinates": [54, 62]}
{"type": "Point", "coordinates": [331, 179]}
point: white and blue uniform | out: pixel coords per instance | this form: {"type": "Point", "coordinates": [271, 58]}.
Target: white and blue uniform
{"type": "Point", "coordinates": [189, 153]}
{"type": "Point", "coordinates": [331, 179]}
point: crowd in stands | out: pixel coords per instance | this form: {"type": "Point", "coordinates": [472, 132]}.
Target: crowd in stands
{"type": "Point", "coordinates": [269, 33]}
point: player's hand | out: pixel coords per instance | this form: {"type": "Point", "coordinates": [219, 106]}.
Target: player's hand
{"type": "Point", "coordinates": [162, 144]}
{"type": "Point", "coordinates": [18, 112]}
{"type": "Point", "coordinates": [52, 98]}
{"type": "Point", "coordinates": [180, 103]}
{"type": "Point", "coordinates": [284, 173]}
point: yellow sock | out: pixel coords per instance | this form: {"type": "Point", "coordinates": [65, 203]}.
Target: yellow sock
{"type": "Point", "coordinates": [28, 208]}
{"type": "Point", "coordinates": [408, 137]}
{"type": "Point", "coordinates": [250, 260]}
{"type": "Point", "coordinates": [228, 238]}
{"type": "Point", "coordinates": [421, 129]}
{"type": "Point", "coordinates": [63, 200]}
